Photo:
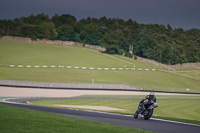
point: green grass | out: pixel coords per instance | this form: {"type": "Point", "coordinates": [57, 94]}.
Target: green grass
{"type": "Point", "coordinates": [137, 64]}
{"type": "Point", "coordinates": [180, 108]}
{"type": "Point", "coordinates": [21, 53]}
{"type": "Point", "coordinates": [191, 73]}
{"type": "Point", "coordinates": [19, 120]}
{"type": "Point", "coordinates": [147, 80]}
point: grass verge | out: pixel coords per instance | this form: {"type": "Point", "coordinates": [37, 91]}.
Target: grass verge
{"type": "Point", "coordinates": [179, 108]}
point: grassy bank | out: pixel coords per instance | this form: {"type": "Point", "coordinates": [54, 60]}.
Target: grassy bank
{"type": "Point", "coordinates": [18, 120]}
{"type": "Point", "coordinates": [35, 54]}
{"type": "Point", "coordinates": [190, 73]}
{"type": "Point", "coordinates": [148, 80]}
{"type": "Point", "coordinates": [23, 53]}
{"type": "Point", "coordinates": [180, 108]}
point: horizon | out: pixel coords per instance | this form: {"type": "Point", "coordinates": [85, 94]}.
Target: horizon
{"type": "Point", "coordinates": [178, 14]}
{"type": "Point", "coordinates": [78, 19]}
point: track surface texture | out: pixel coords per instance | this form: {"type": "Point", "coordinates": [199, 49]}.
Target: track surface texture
{"type": "Point", "coordinates": [116, 119]}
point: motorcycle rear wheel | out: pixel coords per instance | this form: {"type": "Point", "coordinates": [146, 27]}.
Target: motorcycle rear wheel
{"type": "Point", "coordinates": [149, 114]}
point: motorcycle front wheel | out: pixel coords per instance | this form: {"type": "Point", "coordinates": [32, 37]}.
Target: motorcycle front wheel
{"type": "Point", "coordinates": [136, 114]}
{"type": "Point", "coordinates": [149, 114]}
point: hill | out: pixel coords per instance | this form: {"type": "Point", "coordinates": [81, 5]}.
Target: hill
{"type": "Point", "coordinates": [69, 64]}
{"type": "Point", "coordinates": [158, 42]}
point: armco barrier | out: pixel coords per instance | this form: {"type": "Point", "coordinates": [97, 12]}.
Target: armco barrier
{"type": "Point", "coordinates": [64, 85]}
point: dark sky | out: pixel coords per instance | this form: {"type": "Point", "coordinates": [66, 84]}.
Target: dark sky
{"type": "Point", "coordinates": [177, 13]}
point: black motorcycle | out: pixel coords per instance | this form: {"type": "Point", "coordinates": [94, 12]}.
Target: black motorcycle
{"type": "Point", "coordinates": [146, 110]}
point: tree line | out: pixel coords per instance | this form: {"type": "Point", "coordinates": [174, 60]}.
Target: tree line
{"type": "Point", "coordinates": [153, 41]}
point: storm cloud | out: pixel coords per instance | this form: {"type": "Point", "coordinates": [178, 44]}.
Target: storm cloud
{"type": "Point", "coordinates": [177, 13]}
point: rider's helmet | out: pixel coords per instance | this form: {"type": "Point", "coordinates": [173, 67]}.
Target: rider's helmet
{"type": "Point", "coordinates": [152, 96]}
{"type": "Point", "coordinates": [152, 93]}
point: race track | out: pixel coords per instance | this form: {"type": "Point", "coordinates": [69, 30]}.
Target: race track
{"type": "Point", "coordinates": [121, 120]}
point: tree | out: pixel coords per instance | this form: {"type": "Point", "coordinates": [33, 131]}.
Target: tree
{"type": "Point", "coordinates": [63, 20]}
{"type": "Point", "coordinates": [49, 30]}
{"type": "Point", "coordinates": [66, 33]}
{"type": "Point", "coordinates": [91, 34]}
{"type": "Point", "coordinates": [147, 47]}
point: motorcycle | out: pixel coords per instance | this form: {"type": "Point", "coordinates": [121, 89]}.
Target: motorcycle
{"type": "Point", "coordinates": [146, 110]}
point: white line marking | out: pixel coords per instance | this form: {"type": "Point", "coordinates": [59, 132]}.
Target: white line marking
{"type": "Point", "coordinates": [166, 120]}
{"type": "Point", "coordinates": [175, 122]}
{"type": "Point", "coordinates": [68, 66]}
{"type": "Point", "coordinates": [151, 119]}
{"type": "Point", "coordinates": [91, 68]}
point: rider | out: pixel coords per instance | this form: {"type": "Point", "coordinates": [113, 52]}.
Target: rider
{"type": "Point", "coordinates": [150, 97]}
